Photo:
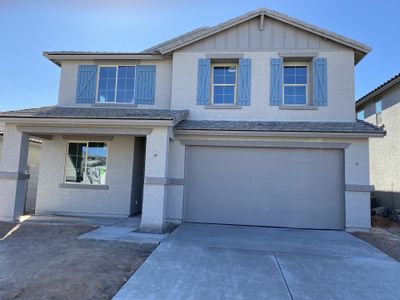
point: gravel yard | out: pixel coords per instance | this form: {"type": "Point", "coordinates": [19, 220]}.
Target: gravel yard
{"type": "Point", "coordinates": [384, 235]}
{"type": "Point", "coordinates": [39, 261]}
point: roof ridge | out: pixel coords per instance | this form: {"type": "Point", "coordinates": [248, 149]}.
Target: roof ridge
{"type": "Point", "coordinates": [194, 35]}
{"type": "Point", "coordinates": [160, 45]}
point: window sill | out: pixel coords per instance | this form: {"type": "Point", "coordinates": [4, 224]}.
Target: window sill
{"type": "Point", "coordinates": [113, 104]}
{"type": "Point", "coordinates": [222, 106]}
{"type": "Point", "coordinates": [298, 107]}
{"type": "Point", "coordinates": [83, 186]}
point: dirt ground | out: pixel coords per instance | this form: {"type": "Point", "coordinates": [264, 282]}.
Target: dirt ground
{"type": "Point", "coordinates": [384, 235]}
{"type": "Point", "coordinates": [40, 261]}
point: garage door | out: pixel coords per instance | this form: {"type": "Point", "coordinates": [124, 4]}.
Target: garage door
{"type": "Point", "coordinates": [299, 188]}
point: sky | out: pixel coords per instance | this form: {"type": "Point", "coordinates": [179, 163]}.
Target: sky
{"type": "Point", "coordinates": [29, 27]}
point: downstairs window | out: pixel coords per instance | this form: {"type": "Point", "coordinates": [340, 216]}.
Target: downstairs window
{"type": "Point", "coordinates": [86, 163]}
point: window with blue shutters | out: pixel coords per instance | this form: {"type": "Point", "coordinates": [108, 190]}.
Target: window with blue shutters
{"type": "Point", "coordinates": [276, 72]}
{"type": "Point", "coordinates": [145, 84]}
{"type": "Point", "coordinates": [320, 81]}
{"type": "Point", "coordinates": [224, 83]}
{"type": "Point", "coordinates": [116, 84]}
{"type": "Point", "coordinates": [244, 82]}
{"type": "Point", "coordinates": [203, 81]}
{"type": "Point", "coordinates": [295, 84]}
{"type": "Point", "coordinates": [86, 84]}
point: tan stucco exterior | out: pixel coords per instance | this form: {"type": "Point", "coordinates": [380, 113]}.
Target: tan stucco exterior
{"type": "Point", "coordinates": [385, 153]}
{"type": "Point", "coordinates": [176, 84]}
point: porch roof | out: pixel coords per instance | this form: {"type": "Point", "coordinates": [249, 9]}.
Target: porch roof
{"type": "Point", "coordinates": [358, 127]}
{"type": "Point", "coordinates": [123, 112]}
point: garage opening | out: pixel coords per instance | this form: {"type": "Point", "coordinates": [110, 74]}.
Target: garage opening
{"type": "Point", "coordinates": [278, 187]}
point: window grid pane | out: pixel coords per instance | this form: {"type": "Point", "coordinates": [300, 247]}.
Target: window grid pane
{"type": "Point", "coordinates": [126, 84]}
{"type": "Point", "coordinates": [295, 85]}
{"type": "Point", "coordinates": [224, 83]}
{"type": "Point", "coordinates": [107, 79]}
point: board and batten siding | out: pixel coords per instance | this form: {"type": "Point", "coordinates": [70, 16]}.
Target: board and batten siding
{"type": "Point", "coordinates": [275, 35]}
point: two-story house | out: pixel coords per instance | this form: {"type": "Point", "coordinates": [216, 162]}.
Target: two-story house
{"type": "Point", "coordinates": [381, 107]}
{"type": "Point", "coordinates": [248, 122]}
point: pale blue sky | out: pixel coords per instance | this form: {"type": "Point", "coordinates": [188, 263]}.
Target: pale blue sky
{"type": "Point", "coordinates": [27, 28]}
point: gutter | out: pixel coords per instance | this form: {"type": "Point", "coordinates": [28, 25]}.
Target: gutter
{"type": "Point", "coordinates": [278, 133]}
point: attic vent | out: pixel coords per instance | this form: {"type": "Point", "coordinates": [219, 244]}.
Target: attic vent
{"type": "Point", "coordinates": [261, 22]}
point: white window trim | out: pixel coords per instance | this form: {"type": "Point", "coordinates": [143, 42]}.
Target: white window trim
{"type": "Point", "coordinates": [220, 84]}
{"type": "Point", "coordinates": [296, 64]}
{"type": "Point", "coordinates": [86, 160]}
{"type": "Point", "coordinates": [116, 85]}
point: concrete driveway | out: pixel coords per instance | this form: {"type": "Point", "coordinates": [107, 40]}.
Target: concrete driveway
{"type": "Point", "coordinates": [235, 262]}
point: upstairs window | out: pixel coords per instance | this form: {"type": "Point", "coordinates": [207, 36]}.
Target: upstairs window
{"type": "Point", "coordinates": [224, 79]}
{"type": "Point", "coordinates": [295, 84]}
{"type": "Point", "coordinates": [361, 115]}
{"type": "Point", "coordinates": [86, 163]}
{"type": "Point", "coordinates": [378, 112]}
{"type": "Point", "coordinates": [116, 84]}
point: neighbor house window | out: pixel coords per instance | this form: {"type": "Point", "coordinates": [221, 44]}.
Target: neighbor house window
{"type": "Point", "coordinates": [361, 115]}
{"type": "Point", "coordinates": [224, 84]}
{"type": "Point", "coordinates": [295, 87]}
{"type": "Point", "coordinates": [378, 112]}
{"type": "Point", "coordinates": [86, 163]}
{"type": "Point", "coordinates": [116, 84]}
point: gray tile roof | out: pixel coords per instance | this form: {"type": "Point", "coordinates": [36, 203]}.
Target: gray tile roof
{"type": "Point", "coordinates": [381, 88]}
{"type": "Point", "coordinates": [96, 53]}
{"type": "Point", "coordinates": [200, 33]}
{"type": "Point", "coordinates": [97, 113]}
{"type": "Point", "coordinates": [336, 127]}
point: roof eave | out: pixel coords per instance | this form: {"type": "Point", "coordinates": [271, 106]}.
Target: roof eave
{"type": "Point", "coordinates": [88, 121]}
{"type": "Point", "coordinates": [58, 57]}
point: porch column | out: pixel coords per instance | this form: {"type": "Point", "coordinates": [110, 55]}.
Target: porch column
{"type": "Point", "coordinates": [154, 190]}
{"type": "Point", "coordinates": [13, 164]}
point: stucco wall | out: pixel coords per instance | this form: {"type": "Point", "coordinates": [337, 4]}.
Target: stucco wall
{"type": "Point", "coordinates": [69, 72]}
{"type": "Point", "coordinates": [34, 154]}
{"type": "Point", "coordinates": [357, 204]}
{"type": "Point", "coordinates": [340, 89]}
{"type": "Point", "coordinates": [385, 153]}
{"type": "Point", "coordinates": [112, 202]}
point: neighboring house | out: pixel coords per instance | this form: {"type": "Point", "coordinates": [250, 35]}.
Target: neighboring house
{"type": "Point", "coordinates": [32, 168]}
{"type": "Point", "coordinates": [249, 122]}
{"type": "Point", "coordinates": [381, 107]}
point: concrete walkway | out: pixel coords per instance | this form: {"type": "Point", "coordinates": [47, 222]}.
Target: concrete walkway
{"type": "Point", "coordinates": [237, 262]}
{"type": "Point", "coordinates": [109, 229]}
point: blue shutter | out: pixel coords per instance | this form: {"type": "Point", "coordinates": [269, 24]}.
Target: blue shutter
{"type": "Point", "coordinates": [145, 86]}
{"type": "Point", "coordinates": [86, 85]}
{"type": "Point", "coordinates": [276, 71]}
{"type": "Point", "coordinates": [244, 81]}
{"type": "Point", "coordinates": [203, 81]}
{"type": "Point", "coordinates": [320, 95]}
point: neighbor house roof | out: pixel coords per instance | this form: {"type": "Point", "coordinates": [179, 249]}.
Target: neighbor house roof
{"type": "Point", "coordinates": [60, 112]}
{"type": "Point", "coordinates": [378, 90]}
{"type": "Point", "coordinates": [203, 32]}
{"type": "Point", "coordinates": [321, 127]}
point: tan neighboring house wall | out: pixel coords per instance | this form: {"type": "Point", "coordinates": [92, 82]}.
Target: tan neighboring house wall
{"type": "Point", "coordinates": [385, 153]}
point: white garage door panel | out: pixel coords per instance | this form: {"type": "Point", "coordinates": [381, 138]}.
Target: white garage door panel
{"type": "Point", "coordinates": [300, 188]}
